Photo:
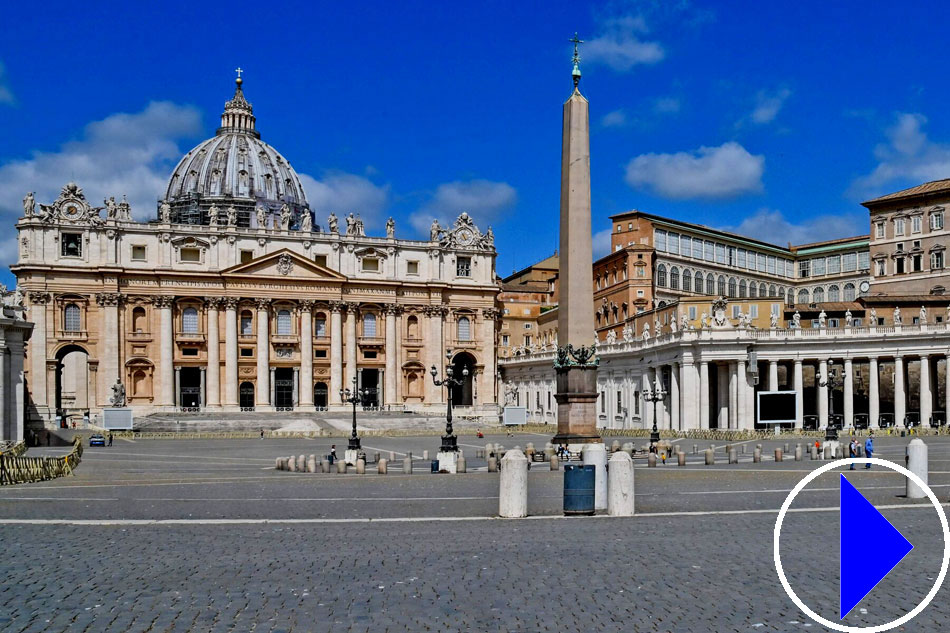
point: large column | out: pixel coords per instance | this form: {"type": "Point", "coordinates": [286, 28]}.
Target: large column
{"type": "Point", "coordinates": [687, 388]}
{"type": "Point", "coordinates": [487, 343]}
{"type": "Point", "coordinates": [926, 399]}
{"type": "Point", "coordinates": [230, 352]}
{"type": "Point", "coordinates": [36, 348]}
{"type": "Point", "coordinates": [213, 388]}
{"type": "Point", "coordinates": [733, 402]}
{"type": "Point", "coordinates": [703, 394]}
{"type": "Point", "coordinates": [435, 350]}
{"type": "Point", "coordinates": [351, 346]}
{"type": "Point", "coordinates": [874, 398]}
{"type": "Point", "coordinates": [900, 402]}
{"type": "Point", "coordinates": [305, 379]}
{"type": "Point", "coordinates": [263, 401]}
{"type": "Point", "coordinates": [675, 421]}
{"type": "Point", "coordinates": [16, 392]}
{"type": "Point", "coordinates": [822, 380]}
{"type": "Point", "coordinates": [647, 416]}
{"type": "Point", "coordinates": [946, 393]}
{"type": "Point", "coordinates": [178, 386]}
{"type": "Point", "coordinates": [848, 393]}
{"type": "Point", "coordinates": [336, 351]}
{"type": "Point", "coordinates": [109, 337]}
{"type": "Point", "coordinates": [799, 387]}
{"type": "Point", "coordinates": [742, 396]}
{"type": "Point", "coordinates": [166, 355]}
{"type": "Point", "coordinates": [391, 355]}
{"type": "Point", "coordinates": [773, 375]}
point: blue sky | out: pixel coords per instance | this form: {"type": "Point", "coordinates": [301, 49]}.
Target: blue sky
{"type": "Point", "coordinates": [774, 120]}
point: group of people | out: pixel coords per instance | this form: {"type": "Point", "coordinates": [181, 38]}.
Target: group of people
{"type": "Point", "coordinates": [868, 449]}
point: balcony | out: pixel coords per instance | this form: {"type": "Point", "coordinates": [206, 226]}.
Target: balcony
{"type": "Point", "coordinates": [468, 344]}
{"type": "Point", "coordinates": [139, 337]}
{"type": "Point", "coordinates": [285, 339]}
{"type": "Point", "coordinates": [411, 342]}
{"type": "Point", "coordinates": [190, 337]}
{"type": "Point", "coordinates": [372, 341]}
{"type": "Point", "coordinates": [74, 335]}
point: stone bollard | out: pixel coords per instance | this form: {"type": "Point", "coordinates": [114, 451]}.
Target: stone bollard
{"type": "Point", "coordinates": [681, 458]}
{"type": "Point", "coordinates": [917, 464]}
{"type": "Point", "coordinates": [615, 446]}
{"type": "Point", "coordinates": [778, 454]}
{"type": "Point", "coordinates": [743, 449]}
{"type": "Point", "coordinates": [312, 464]}
{"type": "Point", "coordinates": [756, 455]}
{"type": "Point", "coordinates": [488, 449]}
{"type": "Point", "coordinates": [302, 464]}
{"type": "Point", "coordinates": [712, 447]}
{"type": "Point", "coordinates": [651, 460]}
{"type": "Point", "coordinates": [733, 457]}
{"type": "Point", "coordinates": [785, 450]}
{"type": "Point", "coordinates": [620, 485]}
{"type": "Point", "coordinates": [341, 467]}
{"type": "Point", "coordinates": [493, 464]}
{"type": "Point", "coordinates": [325, 466]}
{"type": "Point", "coordinates": [827, 451]}
{"type": "Point", "coordinates": [513, 486]}
{"type": "Point", "coordinates": [596, 454]}
{"type": "Point", "coordinates": [554, 462]}
{"type": "Point", "coordinates": [407, 466]}
{"type": "Point", "coordinates": [381, 466]}
{"type": "Point", "coordinates": [798, 453]}
{"type": "Point", "coordinates": [839, 452]}
{"type": "Point", "coordinates": [460, 464]}
{"type": "Point", "coordinates": [279, 465]}
{"type": "Point", "coordinates": [392, 456]}
{"type": "Point", "coordinates": [425, 456]}
{"type": "Point", "coordinates": [710, 457]}
{"type": "Point", "coordinates": [361, 467]}
{"type": "Point", "coordinates": [292, 464]}
{"type": "Point", "coordinates": [814, 451]}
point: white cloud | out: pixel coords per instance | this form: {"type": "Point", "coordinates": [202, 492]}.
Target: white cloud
{"type": "Point", "coordinates": [601, 243]}
{"type": "Point", "coordinates": [341, 193]}
{"type": "Point", "coordinates": [131, 154]}
{"type": "Point", "coordinates": [666, 105]}
{"type": "Point", "coordinates": [615, 118]}
{"type": "Point", "coordinates": [908, 158]}
{"type": "Point", "coordinates": [770, 225]}
{"type": "Point", "coordinates": [484, 200]}
{"type": "Point", "coordinates": [6, 94]}
{"type": "Point", "coordinates": [767, 105]}
{"type": "Point", "coordinates": [726, 171]}
{"type": "Point", "coordinates": [620, 46]}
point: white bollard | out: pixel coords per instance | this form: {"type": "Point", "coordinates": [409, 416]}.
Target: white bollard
{"type": "Point", "coordinates": [917, 464]}
{"type": "Point", "coordinates": [596, 454]}
{"type": "Point", "coordinates": [513, 486]}
{"type": "Point", "coordinates": [620, 485]}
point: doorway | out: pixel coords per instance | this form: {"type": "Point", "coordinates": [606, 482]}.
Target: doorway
{"type": "Point", "coordinates": [320, 392]}
{"type": "Point", "coordinates": [369, 383]}
{"type": "Point", "coordinates": [189, 388]}
{"type": "Point", "coordinates": [284, 388]}
{"type": "Point", "coordinates": [462, 395]}
{"type": "Point", "coordinates": [246, 396]}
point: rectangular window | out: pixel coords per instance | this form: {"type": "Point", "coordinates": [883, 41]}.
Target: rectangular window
{"type": "Point", "coordinates": [735, 310]}
{"type": "Point", "coordinates": [247, 325]}
{"type": "Point", "coordinates": [697, 248]}
{"type": "Point", "coordinates": [189, 351]}
{"type": "Point", "coordinates": [936, 260]}
{"type": "Point", "coordinates": [834, 264]}
{"type": "Point", "coordinates": [319, 353]}
{"type": "Point", "coordinates": [754, 311]}
{"type": "Point", "coordinates": [603, 402]}
{"type": "Point", "coordinates": [686, 246]}
{"type": "Point", "coordinates": [246, 256]}
{"type": "Point", "coordinates": [673, 243]}
{"type": "Point", "coordinates": [320, 260]}
{"type": "Point", "coordinates": [833, 323]}
{"type": "Point", "coordinates": [732, 256]}
{"type": "Point", "coordinates": [191, 255]}
{"type": "Point", "coordinates": [936, 220]}
{"type": "Point", "coordinates": [741, 258]}
{"type": "Point", "coordinates": [880, 230]}
{"type": "Point", "coordinates": [619, 401]}
{"type": "Point", "coordinates": [708, 251]}
{"type": "Point", "coordinates": [770, 265]}
{"type": "Point", "coordinates": [692, 313]}
{"type": "Point", "coordinates": [720, 253]}
{"type": "Point", "coordinates": [881, 268]}
{"type": "Point", "coordinates": [776, 309]}
{"type": "Point", "coordinates": [761, 262]}
{"type": "Point", "coordinates": [505, 340]}
{"type": "Point", "coordinates": [915, 224]}
{"type": "Point", "coordinates": [71, 244]}
{"type": "Point", "coordinates": [138, 253]}
{"type": "Point", "coordinates": [917, 262]}
{"type": "Point", "coordinates": [849, 262]}
{"type": "Point", "coordinates": [818, 266]}
{"type": "Point", "coordinates": [899, 226]}
{"type": "Point", "coordinates": [247, 352]}
{"type": "Point", "coordinates": [660, 239]}
{"type": "Point", "coordinates": [320, 327]}
{"type": "Point", "coordinates": [369, 354]}
{"type": "Point", "coordinates": [370, 265]}
{"type": "Point", "coordinates": [864, 260]}
{"type": "Point", "coordinates": [804, 269]}
{"type": "Point", "coordinates": [899, 265]}
{"type": "Point", "coordinates": [412, 268]}
{"type": "Point", "coordinates": [463, 267]}
{"type": "Point", "coordinates": [527, 340]}
{"type": "Point", "coordinates": [527, 326]}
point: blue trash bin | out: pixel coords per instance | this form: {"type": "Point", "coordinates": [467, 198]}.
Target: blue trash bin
{"type": "Point", "coordinates": [435, 465]}
{"type": "Point", "coordinates": [579, 490]}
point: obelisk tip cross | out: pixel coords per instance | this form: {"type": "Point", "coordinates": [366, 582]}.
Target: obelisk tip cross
{"type": "Point", "coordinates": [576, 73]}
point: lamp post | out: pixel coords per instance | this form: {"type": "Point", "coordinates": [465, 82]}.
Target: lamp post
{"type": "Point", "coordinates": [655, 395]}
{"type": "Point", "coordinates": [832, 381]}
{"type": "Point", "coordinates": [353, 397]}
{"type": "Point", "coordinates": [449, 441]}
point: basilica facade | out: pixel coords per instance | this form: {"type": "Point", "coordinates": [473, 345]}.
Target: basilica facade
{"type": "Point", "coordinates": [235, 297]}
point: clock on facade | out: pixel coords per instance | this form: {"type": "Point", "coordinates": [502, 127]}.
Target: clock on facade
{"type": "Point", "coordinates": [864, 287]}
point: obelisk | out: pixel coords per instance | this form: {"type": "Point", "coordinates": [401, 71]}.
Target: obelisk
{"type": "Point", "coordinates": [576, 364]}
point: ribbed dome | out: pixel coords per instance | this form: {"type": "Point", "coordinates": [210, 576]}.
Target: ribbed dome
{"type": "Point", "coordinates": [235, 167]}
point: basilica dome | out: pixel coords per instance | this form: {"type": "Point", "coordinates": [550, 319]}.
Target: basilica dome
{"type": "Point", "coordinates": [233, 168]}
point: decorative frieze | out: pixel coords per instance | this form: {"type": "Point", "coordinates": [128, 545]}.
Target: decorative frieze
{"type": "Point", "coordinates": [108, 298]}
{"type": "Point", "coordinates": [163, 301]}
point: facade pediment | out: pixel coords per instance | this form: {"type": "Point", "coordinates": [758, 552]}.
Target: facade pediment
{"type": "Point", "coordinates": [283, 264]}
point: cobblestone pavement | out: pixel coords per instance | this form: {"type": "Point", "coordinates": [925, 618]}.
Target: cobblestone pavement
{"type": "Point", "coordinates": [419, 553]}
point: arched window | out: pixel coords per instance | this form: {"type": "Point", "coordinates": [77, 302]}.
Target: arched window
{"type": "Point", "coordinates": [412, 327]}
{"type": "Point", "coordinates": [791, 296]}
{"type": "Point", "coordinates": [732, 287]}
{"type": "Point", "coordinates": [763, 290]}
{"type": "Point", "coordinates": [247, 323]}
{"type": "Point", "coordinates": [753, 290]}
{"type": "Point", "coordinates": [710, 284]}
{"type": "Point", "coordinates": [661, 276]}
{"type": "Point", "coordinates": [283, 323]}
{"type": "Point", "coordinates": [742, 288]}
{"type": "Point", "coordinates": [687, 280]}
{"type": "Point", "coordinates": [849, 292]}
{"type": "Point", "coordinates": [464, 329]}
{"type": "Point", "coordinates": [138, 320]}
{"type": "Point", "coordinates": [772, 291]}
{"type": "Point", "coordinates": [72, 321]}
{"type": "Point", "coordinates": [320, 325]}
{"type": "Point", "coordinates": [803, 296]}
{"type": "Point", "coordinates": [698, 286]}
{"type": "Point", "coordinates": [369, 325]}
{"type": "Point", "coordinates": [834, 293]}
{"type": "Point", "coordinates": [721, 286]}
{"type": "Point", "coordinates": [674, 278]}
{"type": "Point", "coordinates": [189, 321]}
{"type": "Point", "coordinates": [818, 295]}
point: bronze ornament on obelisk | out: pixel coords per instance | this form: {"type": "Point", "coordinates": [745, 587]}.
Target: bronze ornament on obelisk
{"type": "Point", "coordinates": [576, 363]}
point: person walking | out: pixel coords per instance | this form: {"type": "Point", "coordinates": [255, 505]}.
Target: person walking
{"type": "Point", "coordinates": [852, 451]}
{"type": "Point", "coordinates": [332, 456]}
{"type": "Point", "coordinates": [110, 438]}
{"type": "Point", "coordinates": [868, 450]}
{"type": "Point", "coordinates": [262, 433]}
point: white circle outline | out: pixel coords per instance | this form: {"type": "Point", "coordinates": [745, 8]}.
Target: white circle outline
{"type": "Point", "coordinates": [887, 625]}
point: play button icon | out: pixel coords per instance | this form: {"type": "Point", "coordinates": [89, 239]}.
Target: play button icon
{"type": "Point", "coordinates": [861, 570]}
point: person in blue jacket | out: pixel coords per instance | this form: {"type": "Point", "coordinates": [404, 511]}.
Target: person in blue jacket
{"type": "Point", "coordinates": [869, 449]}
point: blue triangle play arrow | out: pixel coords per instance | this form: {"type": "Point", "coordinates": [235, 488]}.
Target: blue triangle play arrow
{"type": "Point", "coordinates": [864, 565]}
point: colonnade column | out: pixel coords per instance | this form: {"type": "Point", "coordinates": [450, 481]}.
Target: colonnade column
{"type": "Point", "coordinates": [900, 402]}
{"type": "Point", "coordinates": [741, 395]}
{"type": "Point", "coordinates": [336, 352]}
{"type": "Point", "coordinates": [305, 386]}
{"type": "Point", "coordinates": [647, 406]}
{"type": "Point", "coordinates": [822, 380]}
{"type": "Point", "coordinates": [36, 347]}
{"type": "Point", "coordinates": [733, 395]}
{"type": "Point", "coordinates": [166, 349]}
{"type": "Point", "coordinates": [351, 347]}
{"type": "Point", "coordinates": [848, 393]}
{"type": "Point", "coordinates": [798, 384]}
{"type": "Point", "coordinates": [946, 392]}
{"type": "Point", "coordinates": [926, 400]}
{"type": "Point", "coordinates": [773, 375]}
{"type": "Point", "coordinates": [230, 352]}
{"type": "Point", "coordinates": [703, 394]}
{"type": "Point", "coordinates": [391, 311]}
{"type": "Point", "coordinates": [108, 348]}
{"type": "Point", "coordinates": [487, 342]}
{"type": "Point", "coordinates": [675, 420]}
{"type": "Point", "coordinates": [435, 349]}
{"type": "Point", "coordinates": [263, 354]}
{"type": "Point", "coordinates": [212, 397]}
{"type": "Point", "coordinates": [874, 404]}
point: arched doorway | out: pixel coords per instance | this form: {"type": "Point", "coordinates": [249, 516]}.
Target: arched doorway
{"type": "Point", "coordinates": [462, 395]}
{"type": "Point", "coordinates": [73, 395]}
{"type": "Point", "coordinates": [246, 395]}
{"type": "Point", "coordinates": [320, 392]}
